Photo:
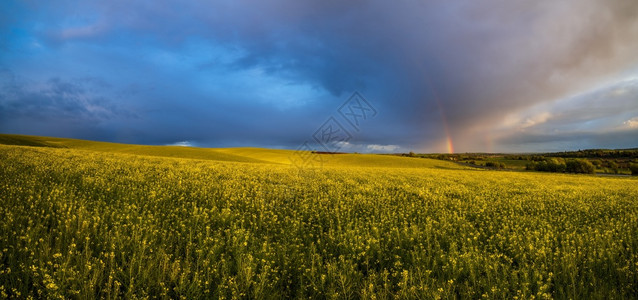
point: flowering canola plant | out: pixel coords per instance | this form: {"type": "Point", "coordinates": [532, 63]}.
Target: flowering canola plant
{"type": "Point", "coordinates": [95, 224]}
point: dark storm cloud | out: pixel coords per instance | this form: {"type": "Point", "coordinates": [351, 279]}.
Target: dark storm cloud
{"type": "Point", "coordinates": [269, 73]}
{"type": "Point", "coordinates": [56, 100]}
{"type": "Point", "coordinates": [58, 107]}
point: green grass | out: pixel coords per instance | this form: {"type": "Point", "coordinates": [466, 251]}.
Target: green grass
{"type": "Point", "coordinates": [82, 221]}
{"type": "Point", "coordinates": [511, 164]}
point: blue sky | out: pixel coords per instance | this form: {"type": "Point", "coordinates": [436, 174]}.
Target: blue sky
{"type": "Point", "coordinates": [496, 76]}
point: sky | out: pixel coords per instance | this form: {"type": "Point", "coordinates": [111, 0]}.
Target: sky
{"type": "Point", "coordinates": [356, 76]}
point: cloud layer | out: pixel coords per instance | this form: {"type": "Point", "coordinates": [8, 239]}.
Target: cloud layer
{"type": "Point", "coordinates": [488, 76]}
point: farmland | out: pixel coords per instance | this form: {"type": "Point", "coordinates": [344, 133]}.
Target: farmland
{"type": "Point", "coordinates": [87, 219]}
{"type": "Point", "coordinates": [616, 162]}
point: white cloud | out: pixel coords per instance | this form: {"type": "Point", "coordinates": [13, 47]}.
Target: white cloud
{"type": "Point", "coordinates": [366, 148]}
{"type": "Point", "coordinates": [382, 148]}
{"type": "Point", "coordinates": [181, 144]}
{"type": "Point", "coordinates": [536, 119]}
{"type": "Point", "coordinates": [632, 123]}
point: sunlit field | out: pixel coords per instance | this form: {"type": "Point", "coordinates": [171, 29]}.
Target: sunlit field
{"type": "Point", "coordinates": [85, 220]}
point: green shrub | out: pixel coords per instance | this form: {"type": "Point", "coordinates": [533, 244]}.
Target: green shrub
{"type": "Point", "coordinates": [548, 165]}
{"type": "Point", "coordinates": [613, 166]}
{"type": "Point", "coordinates": [579, 166]}
{"type": "Point", "coordinates": [494, 164]}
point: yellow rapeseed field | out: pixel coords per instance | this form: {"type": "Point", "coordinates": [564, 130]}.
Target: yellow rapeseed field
{"type": "Point", "coordinates": [98, 223]}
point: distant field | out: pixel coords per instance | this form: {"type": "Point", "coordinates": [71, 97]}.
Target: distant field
{"type": "Point", "coordinates": [87, 219]}
{"type": "Point", "coordinates": [601, 161]}
{"type": "Point", "coordinates": [251, 155]}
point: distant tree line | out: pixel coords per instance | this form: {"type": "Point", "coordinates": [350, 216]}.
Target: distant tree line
{"type": "Point", "coordinates": [560, 165]}
{"type": "Point", "coordinates": [583, 161]}
{"type": "Point", "coordinates": [628, 153]}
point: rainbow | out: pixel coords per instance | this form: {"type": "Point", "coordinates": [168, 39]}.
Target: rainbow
{"type": "Point", "coordinates": [446, 129]}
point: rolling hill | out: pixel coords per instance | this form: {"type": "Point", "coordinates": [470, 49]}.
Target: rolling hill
{"type": "Point", "coordinates": [246, 155]}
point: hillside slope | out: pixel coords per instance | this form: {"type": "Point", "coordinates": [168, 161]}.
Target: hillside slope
{"type": "Point", "coordinates": [248, 155]}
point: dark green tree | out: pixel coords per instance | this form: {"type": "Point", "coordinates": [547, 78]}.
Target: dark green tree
{"type": "Point", "coordinates": [579, 166]}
